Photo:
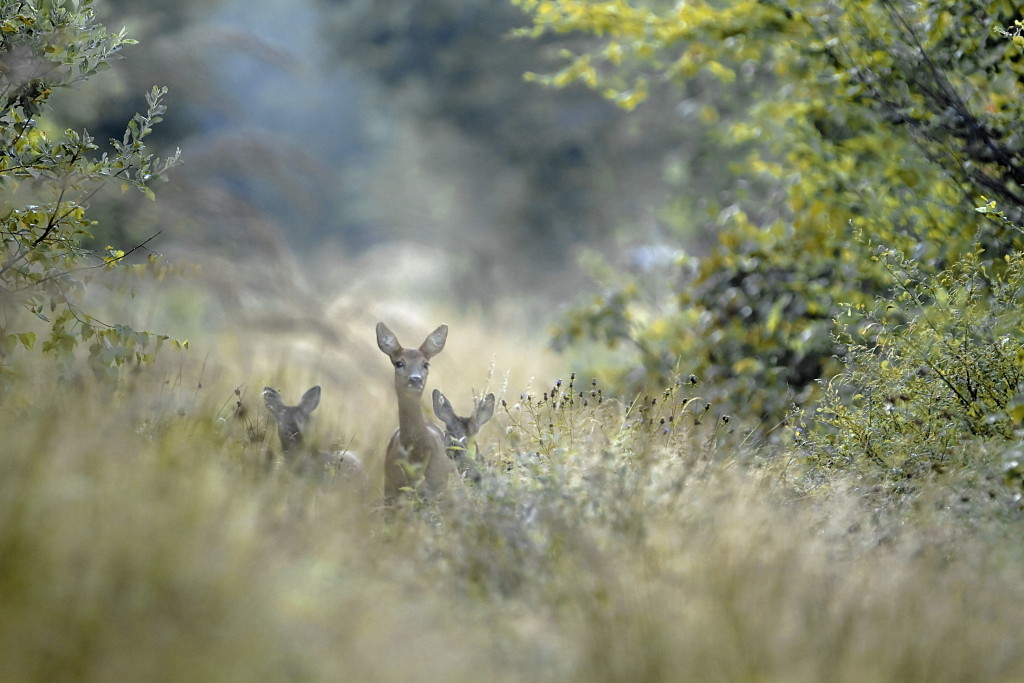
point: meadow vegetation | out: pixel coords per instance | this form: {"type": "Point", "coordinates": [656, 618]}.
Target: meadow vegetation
{"type": "Point", "coordinates": [150, 529]}
{"type": "Point", "coordinates": [606, 540]}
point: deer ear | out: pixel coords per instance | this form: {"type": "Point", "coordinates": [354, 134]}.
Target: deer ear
{"type": "Point", "coordinates": [274, 402]}
{"type": "Point", "coordinates": [433, 344]}
{"type": "Point", "coordinates": [484, 411]}
{"type": "Point", "coordinates": [310, 400]}
{"type": "Point", "coordinates": [387, 341]}
{"type": "Point", "coordinates": [443, 407]}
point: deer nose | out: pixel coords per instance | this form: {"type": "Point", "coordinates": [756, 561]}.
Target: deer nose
{"type": "Point", "coordinates": [416, 380]}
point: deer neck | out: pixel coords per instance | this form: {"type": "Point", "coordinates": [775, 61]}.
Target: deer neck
{"type": "Point", "coordinates": [414, 432]}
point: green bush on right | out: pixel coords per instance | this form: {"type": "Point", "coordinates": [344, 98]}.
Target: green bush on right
{"type": "Point", "coordinates": [933, 383]}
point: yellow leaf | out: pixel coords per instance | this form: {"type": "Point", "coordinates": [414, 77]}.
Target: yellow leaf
{"type": "Point", "coordinates": [746, 365]}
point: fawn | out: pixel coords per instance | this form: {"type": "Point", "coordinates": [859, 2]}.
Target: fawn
{"type": "Point", "coordinates": [416, 454]}
{"type": "Point", "coordinates": [291, 423]}
{"type": "Point", "coordinates": [459, 431]}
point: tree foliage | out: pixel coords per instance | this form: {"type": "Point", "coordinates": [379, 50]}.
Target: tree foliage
{"type": "Point", "coordinates": [48, 181]}
{"type": "Point", "coordinates": [864, 123]}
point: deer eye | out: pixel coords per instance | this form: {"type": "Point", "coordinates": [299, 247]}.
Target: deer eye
{"type": "Point", "coordinates": [426, 365]}
{"type": "Point", "coordinates": [399, 363]}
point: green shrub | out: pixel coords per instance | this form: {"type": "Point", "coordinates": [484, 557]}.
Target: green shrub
{"type": "Point", "coordinates": [933, 379]}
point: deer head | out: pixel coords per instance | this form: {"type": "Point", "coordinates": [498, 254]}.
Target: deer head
{"type": "Point", "coordinates": [412, 366]}
{"type": "Point", "coordinates": [291, 420]}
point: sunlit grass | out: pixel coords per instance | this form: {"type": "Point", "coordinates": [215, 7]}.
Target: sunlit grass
{"type": "Point", "coordinates": [144, 537]}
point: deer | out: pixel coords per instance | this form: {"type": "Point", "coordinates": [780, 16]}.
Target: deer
{"type": "Point", "coordinates": [460, 431]}
{"type": "Point", "coordinates": [416, 457]}
{"type": "Point", "coordinates": [291, 424]}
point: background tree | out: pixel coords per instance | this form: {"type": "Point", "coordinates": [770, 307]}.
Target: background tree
{"type": "Point", "coordinates": [865, 124]}
{"type": "Point", "coordinates": [48, 184]}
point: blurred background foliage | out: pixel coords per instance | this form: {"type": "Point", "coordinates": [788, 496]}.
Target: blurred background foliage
{"type": "Point", "coordinates": [329, 131]}
{"type": "Point", "coordinates": [709, 184]}
{"type": "Point", "coordinates": [387, 151]}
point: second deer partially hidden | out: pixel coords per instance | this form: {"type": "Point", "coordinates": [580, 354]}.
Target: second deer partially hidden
{"type": "Point", "coordinates": [291, 424]}
{"type": "Point", "coordinates": [459, 431]}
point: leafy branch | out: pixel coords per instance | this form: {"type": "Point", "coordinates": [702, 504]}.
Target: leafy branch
{"type": "Point", "coordinates": [48, 185]}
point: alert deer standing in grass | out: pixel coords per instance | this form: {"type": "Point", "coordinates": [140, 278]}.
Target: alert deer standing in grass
{"type": "Point", "coordinates": [459, 431]}
{"type": "Point", "coordinates": [416, 452]}
{"type": "Point", "coordinates": [291, 423]}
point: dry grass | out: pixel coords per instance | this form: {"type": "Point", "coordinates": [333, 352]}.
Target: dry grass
{"type": "Point", "coordinates": [141, 538]}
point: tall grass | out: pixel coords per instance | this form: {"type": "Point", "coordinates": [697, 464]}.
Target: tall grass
{"type": "Point", "coordinates": [608, 540]}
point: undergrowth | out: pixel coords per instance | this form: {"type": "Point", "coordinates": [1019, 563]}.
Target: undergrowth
{"type": "Point", "coordinates": [607, 540]}
{"type": "Point", "coordinates": [933, 388]}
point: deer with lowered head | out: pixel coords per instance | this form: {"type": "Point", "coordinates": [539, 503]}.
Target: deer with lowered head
{"type": "Point", "coordinates": [416, 456]}
{"type": "Point", "coordinates": [459, 431]}
{"type": "Point", "coordinates": [291, 423]}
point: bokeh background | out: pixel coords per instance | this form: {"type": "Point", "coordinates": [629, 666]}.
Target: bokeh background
{"type": "Point", "coordinates": [387, 150]}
